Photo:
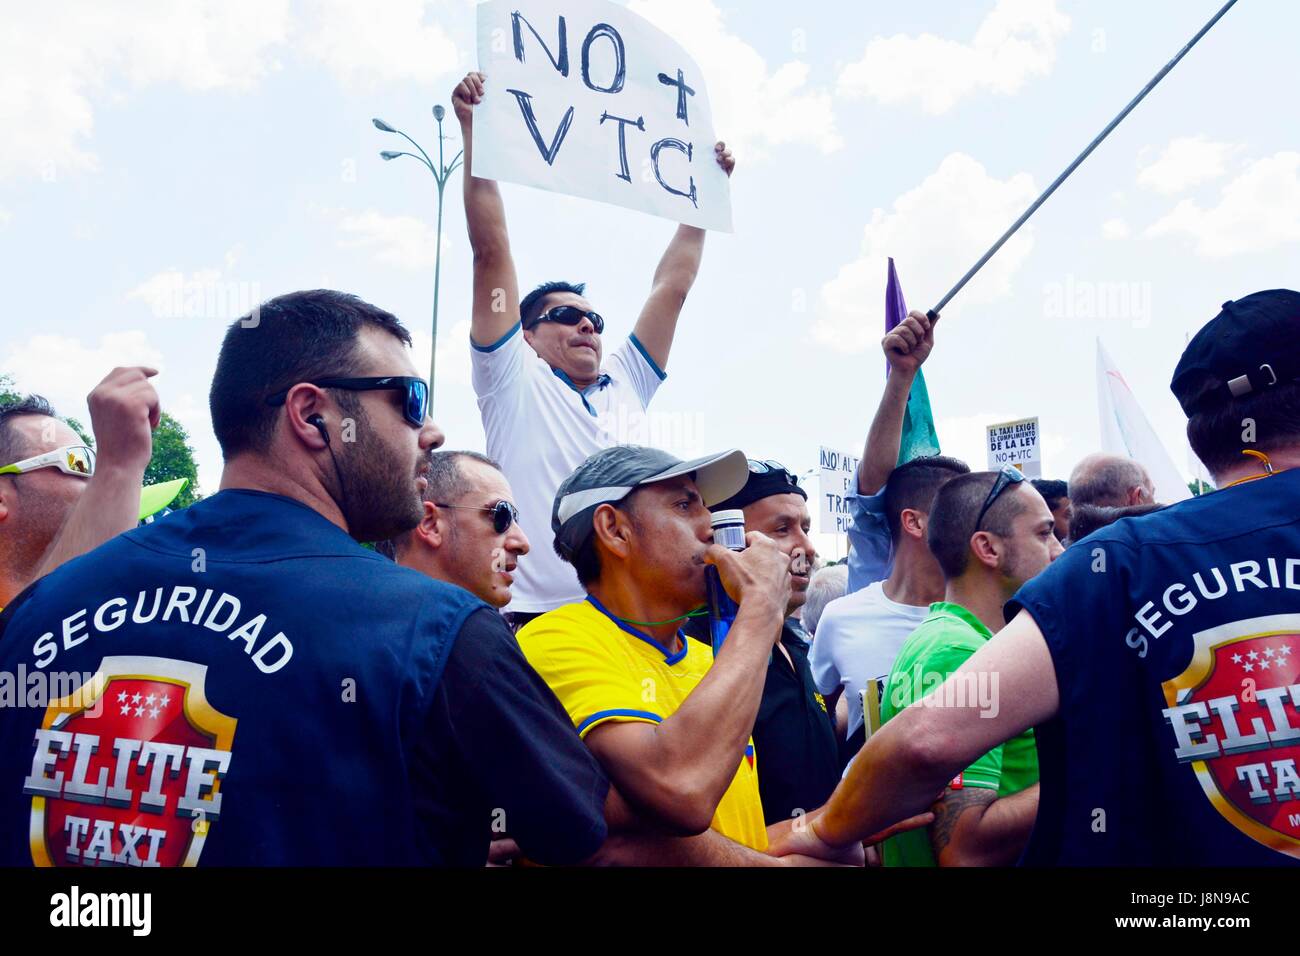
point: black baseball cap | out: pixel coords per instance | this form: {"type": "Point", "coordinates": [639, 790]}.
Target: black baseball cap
{"type": "Point", "coordinates": [612, 474]}
{"type": "Point", "coordinates": [1250, 346]}
{"type": "Point", "coordinates": [765, 479]}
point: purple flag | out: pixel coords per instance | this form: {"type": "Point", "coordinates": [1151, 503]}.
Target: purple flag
{"type": "Point", "coordinates": [919, 436]}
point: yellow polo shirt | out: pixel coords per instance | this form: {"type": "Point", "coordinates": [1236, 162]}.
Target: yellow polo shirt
{"type": "Point", "coordinates": [602, 670]}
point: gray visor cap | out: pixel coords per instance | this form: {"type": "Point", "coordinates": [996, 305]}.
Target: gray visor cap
{"type": "Point", "coordinates": [612, 474]}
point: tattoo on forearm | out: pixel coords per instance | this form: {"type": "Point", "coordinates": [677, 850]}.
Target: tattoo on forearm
{"type": "Point", "coordinates": [949, 810]}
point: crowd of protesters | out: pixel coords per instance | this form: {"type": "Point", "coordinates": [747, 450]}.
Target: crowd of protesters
{"type": "Point", "coordinates": [445, 657]}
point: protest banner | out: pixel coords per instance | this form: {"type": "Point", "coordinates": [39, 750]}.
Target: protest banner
{"type": "Point", "coordinates": [839, 476]}
{"type": "Point", "coordinates": [1017, 444]}
{"type": "Point", "coordinates": [1126, 431]}
{"type": "Point", "coordinates": [586, 98]}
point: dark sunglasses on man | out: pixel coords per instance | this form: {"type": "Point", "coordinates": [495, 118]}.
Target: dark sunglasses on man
{"type": "Point", "coordinates": [415, 401]}
{"type": "Point", "coordinates": [569, 315]}
{"type": "Point", "coordinates": [1007, 477]}
{"type": "Point", "coordinates": [503, 513]}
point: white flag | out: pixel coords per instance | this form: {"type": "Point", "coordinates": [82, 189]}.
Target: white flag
{"type": "Point", "coordinates": [1126, 431]}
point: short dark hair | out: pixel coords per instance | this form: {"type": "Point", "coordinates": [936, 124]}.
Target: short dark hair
{"type": "Point", "coordinates": [12, 448]}
{"type": "Point", "coordinates": [585, 561]}
{"type": "Point", "coordinates": [530, 307]}
{"type": "Point", "coordinates": [913, 485]}
{"type": "Point", "coordinates": [1216, 435]}
{"type": "Point", "coordinates": [1052, 490]}
{"type": "Point", "coordinates": [1089, 518]}
{"type": "Point", "coordinates": [290, 339]}
{"type": "Point", "coordinates": [447, 482]}
{"type": "Point", "coordinates": [955, 513]}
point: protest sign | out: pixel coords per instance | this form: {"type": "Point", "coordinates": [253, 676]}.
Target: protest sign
{"type": "Point", "coordinates": [839, 478]}
{"type": "Point", "coordinates": [586, 98]}
{"type": "Point", "coordinates": [1016, 443]}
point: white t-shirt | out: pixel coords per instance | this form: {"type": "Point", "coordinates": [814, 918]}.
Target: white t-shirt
{"type": "Point", "coordinates": [857, 639]}
{"type": "Point", "coordinates": [540, 428]}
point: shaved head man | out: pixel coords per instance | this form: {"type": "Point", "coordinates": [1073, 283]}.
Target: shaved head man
{"type": "Point", "coordinates": [1111, 481]}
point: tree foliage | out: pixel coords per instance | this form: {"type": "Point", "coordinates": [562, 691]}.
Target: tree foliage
{"type": "Point", "coordinates": [173, 458]}
{"type": "Point", "coordinates": [7, 393]}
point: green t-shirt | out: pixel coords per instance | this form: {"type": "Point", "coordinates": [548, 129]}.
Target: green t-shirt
{"type": "Point", "coordinates": [939, 646]}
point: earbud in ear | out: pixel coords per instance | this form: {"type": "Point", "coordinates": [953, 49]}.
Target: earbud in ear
{"type": "Point", "coordinates": [319, 423]}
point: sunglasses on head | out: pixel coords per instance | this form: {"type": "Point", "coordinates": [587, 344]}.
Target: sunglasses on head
{"type": "Point", "coordinates": [569, 315]}
{"type": "Point", "coordinates": [503, 513]}
{"type": "Point", "coordinates": [1007, 477]}
{"type": "Point", "coordinates": [768, 466]}
{"type": "Point", "coordinates": [71, 460]}
{"type": "Point", "coordinates": [415, 401]}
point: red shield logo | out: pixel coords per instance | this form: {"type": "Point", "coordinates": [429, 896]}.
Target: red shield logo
{"type": "Point", "coordinates": [128, 768]}
{"type": "Point", "coordinates": [1235, 714]}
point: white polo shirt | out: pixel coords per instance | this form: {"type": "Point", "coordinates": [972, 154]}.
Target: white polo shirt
{"type": "Point", "coordinates": [540, 427]}
{"type": "Point", "coordinates": [857, 639]}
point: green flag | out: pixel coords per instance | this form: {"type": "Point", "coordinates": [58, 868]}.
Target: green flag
{"type": "Point", "coordinates": [919, 437]}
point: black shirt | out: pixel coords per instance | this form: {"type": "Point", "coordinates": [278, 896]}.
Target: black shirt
{"type": "Point", "coordinates": [515, 766]}
{"type": "Point", "coordinates": [794, 736]}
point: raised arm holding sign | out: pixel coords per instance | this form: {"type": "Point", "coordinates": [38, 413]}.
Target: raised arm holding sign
{"type": "Point", "coordinates": [548, 394]}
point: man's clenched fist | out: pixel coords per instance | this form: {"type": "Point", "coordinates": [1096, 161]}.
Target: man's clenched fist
{"type": "Point", "coordinates": [124, 411]}
{"type": "Point", "coordinates": [910, 342]}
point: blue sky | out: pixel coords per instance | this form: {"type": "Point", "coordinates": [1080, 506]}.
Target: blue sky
{"type": "Point", "coordinates": [154, 151]}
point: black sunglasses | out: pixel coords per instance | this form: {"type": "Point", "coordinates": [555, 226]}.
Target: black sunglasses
{"type": "Point", "coordinates": [569, 315]}
{"type": "Point", "coordinates": [1007, 477]}
{"type": "Point", "coordinates": [768, 466]}
{"type": "Point", "coordinates": [415, 404]}
{"type": "Point", "coordinates": [503, 513]}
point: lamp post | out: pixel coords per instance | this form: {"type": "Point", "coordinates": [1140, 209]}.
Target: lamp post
{"type": "Point", "coordinates": [441, 173]}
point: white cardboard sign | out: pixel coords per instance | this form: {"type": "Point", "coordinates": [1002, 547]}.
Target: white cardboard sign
{"type": "Point", "coordinates": [1018, 444]}
{"type": "Point", "coordinates": [585, 98]}
{"type": "Point", "coordinates": [839, 478]}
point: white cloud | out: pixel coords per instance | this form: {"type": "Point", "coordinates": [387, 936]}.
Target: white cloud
{"type": "Point", "coordinates": [1185, 162]}
{"type": "Point", "coordinates": [1256, 211]}
{"type": "Point", "coordinates": [933, 232]}
{"type": "Point", "coordinates": [368, 44]}
{"type": "Point", "coordinates": [1015, 41]}
{"type": "Point", "coordinates": [1115, 229]}
{"type": "Point", "coordinates": [64, 369]}
{"type": "Point", "coordinates": [205, 293]}
{"type": "Point", "coordinates": [60, 58]}
{"type": "Point", "coordinates": [404, 242]}
{"type": "Point", "coordinates": [6, 217]}
{"type": "Point", "coordinates": [453, 345]}
{"type": "Point", "coordinates": [754, 107]}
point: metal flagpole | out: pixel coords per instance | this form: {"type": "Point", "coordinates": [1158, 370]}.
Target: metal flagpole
{"type": "Point", "coordinates": [933, 314]}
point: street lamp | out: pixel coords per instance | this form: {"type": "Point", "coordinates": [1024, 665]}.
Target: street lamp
{"type": "Point", "coordinates": [441, 173]}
